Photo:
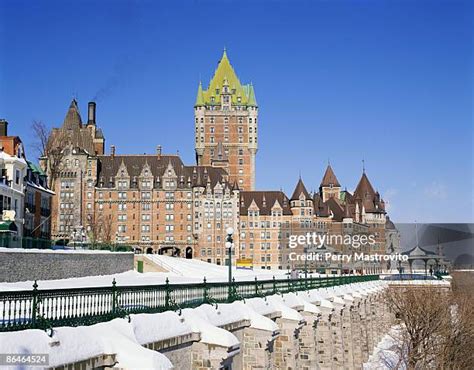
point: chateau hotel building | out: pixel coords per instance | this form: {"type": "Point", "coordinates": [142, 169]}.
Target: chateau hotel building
{"type": "Point", "coordinates": [157, 204]}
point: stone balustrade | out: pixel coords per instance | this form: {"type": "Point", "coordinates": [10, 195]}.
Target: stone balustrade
{"type": "Point", "coordinates": [327, 328]}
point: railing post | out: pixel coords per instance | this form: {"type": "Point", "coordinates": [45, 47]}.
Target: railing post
{"type": "Point", "coordinates": [256, 287]}
{"type": "Point", "coordinates": [34, 304]}
{"type": "Point", "coordinates": [114, 296]}
{"type": "Point", "coordinates": [233, 295]}
{"type": "Point", "coordinates": [274, 285]}
{"type": "Point", "coordinates": [205, 293]}
{"type": "Point", "coordinates": [167, 294]}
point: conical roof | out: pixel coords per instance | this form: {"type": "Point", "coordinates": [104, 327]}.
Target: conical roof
{"type": "Point", "coordinates": [199, 97]}
{"type": "Point", "coordinates": [252, 101]}
{"type": "Point", "coordinates": [364, 188]}
{"type": "Point", "coordinates": [73, 120]}
{"type": "Point", "coordinates": [329, 178]}
{"type": "Point", "coordinates": [300, 188]}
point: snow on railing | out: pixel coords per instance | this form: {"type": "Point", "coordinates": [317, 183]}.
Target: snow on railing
{"type": "Point", "coordinates": [47, 308]}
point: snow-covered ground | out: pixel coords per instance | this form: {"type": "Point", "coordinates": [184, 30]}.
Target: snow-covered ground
{"type": "Point", "coordinates": [386, 355]}
{"type": "Point", "coordinates": [180, 271]}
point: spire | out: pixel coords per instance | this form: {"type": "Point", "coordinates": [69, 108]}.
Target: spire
{"type": "Point", "coordinates": [300, 188]}
{"type": "Point", "coordinates": [252, 101]}
{"type": "Point", "coordinates": [364, 188]}
{"type": "Point", "coordinates": [199, 97]}
{"type": "Point", "coordinates": [329, 178]}
{"type": "Point", "coordinates": [73, 119]}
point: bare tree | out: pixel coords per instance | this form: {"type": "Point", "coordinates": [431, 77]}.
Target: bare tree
{"type": "Point", "coordinates": [41, 135]}
{"type": "Point", "coordinates": [436, 327]}
{"type": "Point", "coordinates": [50, 145]}
{"type": "Point", "coordinates": [100, 228]}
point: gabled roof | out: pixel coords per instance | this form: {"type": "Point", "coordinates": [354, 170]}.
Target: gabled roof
{"type": "Point", "coordinates": [300, 188]}
{"type": "Point", "coordinates": [265, 200]}
{"type": "Point", "coordinates": [109, 167]}
{"type": "Point", "coordinates": [329, 178]}
{"type": "Point", "coordinates": [73, 120]}
{"type": "Point", "coordinates": [321, 209]}
{"type": "Point", "coordinates": [225, 75]}
{"type": "Point", "coordinates": [336, 208]}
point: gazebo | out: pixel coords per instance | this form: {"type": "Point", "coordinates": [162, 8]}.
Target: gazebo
{"type": "Point", "coordinates": [420, 254]}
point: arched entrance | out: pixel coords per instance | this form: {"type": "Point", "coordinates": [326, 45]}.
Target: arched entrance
{"type": "Point", "coordinates": [149, 250]}
{"type": "Point", "coordinates": [171, 251]}
{"type": "Point", "coordinates": [189, 253]}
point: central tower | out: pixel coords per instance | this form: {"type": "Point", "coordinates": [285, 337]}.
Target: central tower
{"type": "Point", "coordinates": [225, 117]}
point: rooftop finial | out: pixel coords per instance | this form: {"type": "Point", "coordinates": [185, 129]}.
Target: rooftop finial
{"type": "Point", "coordinates": [363, 165]}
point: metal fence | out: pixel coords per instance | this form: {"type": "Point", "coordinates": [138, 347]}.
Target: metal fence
{"type": "Point", "coordinates": [47, 308]}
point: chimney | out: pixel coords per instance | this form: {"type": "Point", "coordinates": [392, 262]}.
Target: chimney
{"type": "Point", "coordinates": [91, 113]}
{"type": "Point", "coordinates": [158, 151]}
{"type": "Point", "coordinates": [112, 151]}
{"type": "Point", "coordinates": [3, 127]}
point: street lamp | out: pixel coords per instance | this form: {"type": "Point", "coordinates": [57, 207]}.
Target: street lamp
{"type": "Point", "coordinates": [83, 236]}
{"type": "Point", "coordinates": [229, 244]}
{"type": "Point", "coordinates": [73, 237]}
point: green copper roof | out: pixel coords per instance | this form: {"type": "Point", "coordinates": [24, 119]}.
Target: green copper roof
{"type": "Point", "coordinates": [251, 100]}
{"type": "Point", "coordinates": [35, 168]}
{"type": "Point", "coordinates": [226, 76]}
{"type": "Point", "coordinates": [199, 97]}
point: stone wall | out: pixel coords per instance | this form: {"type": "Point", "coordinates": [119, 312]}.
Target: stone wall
{"type": "Point", "coordinates": [23, 265]}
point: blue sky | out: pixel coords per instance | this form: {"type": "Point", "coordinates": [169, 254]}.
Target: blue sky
{"type": "Point", "coordinates": [387, 81]}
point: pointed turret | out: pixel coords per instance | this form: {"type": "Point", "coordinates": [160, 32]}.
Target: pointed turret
{"type": "Point", "coordinates": [330, 187]}
{"type": "Point", "coordinates": [329, 178]}
{"type": "Point", "coordinates": [200, 97]}
{"type": "Point", "coordinates": [300, 189]}
{"type": "Point", "coordinates": [364, 188]}
{"type": "Point", "coordinates": [252, 101]}
{"type": "Point", "coordinates": [73, 120]}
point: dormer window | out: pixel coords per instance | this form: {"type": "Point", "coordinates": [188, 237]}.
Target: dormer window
{"type": "Point", "coordinates": [217, 91]}
{"type": "Point", "coordinates": [226, 89]}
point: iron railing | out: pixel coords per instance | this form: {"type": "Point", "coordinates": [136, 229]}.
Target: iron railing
{"type": "Point", "coordinates": [47, 308]}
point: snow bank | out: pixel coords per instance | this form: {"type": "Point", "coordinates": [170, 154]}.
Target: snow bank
{"type": "Point", "coordinates": [210, 334]}
{"type": "Point", "coordinates": [150, 328]}
{"type": "Point", "coordinates": [74, 344]}
{"type": "Point", "coordinates": [386, 355]}
{"type": "Point", "coordinates": [315, 296]}
{"type": "Point", "coordinates": [293, 300]}
{"type": "Point", "coordinates": [233, 312]}
{"type": "Point", "coordinates": [262, 306]}
{"type": "Point", "coordinates": [117, 337]}
{"type": "Point", "coordinates": [286, 312]}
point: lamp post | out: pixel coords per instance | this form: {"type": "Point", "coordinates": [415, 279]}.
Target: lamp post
{"type": "Point", "coordinates": [229, 244]}
{"type": "Point", "coordinates": [73, 237]}
{"type": "Point", "coordinates": [83, 236]}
